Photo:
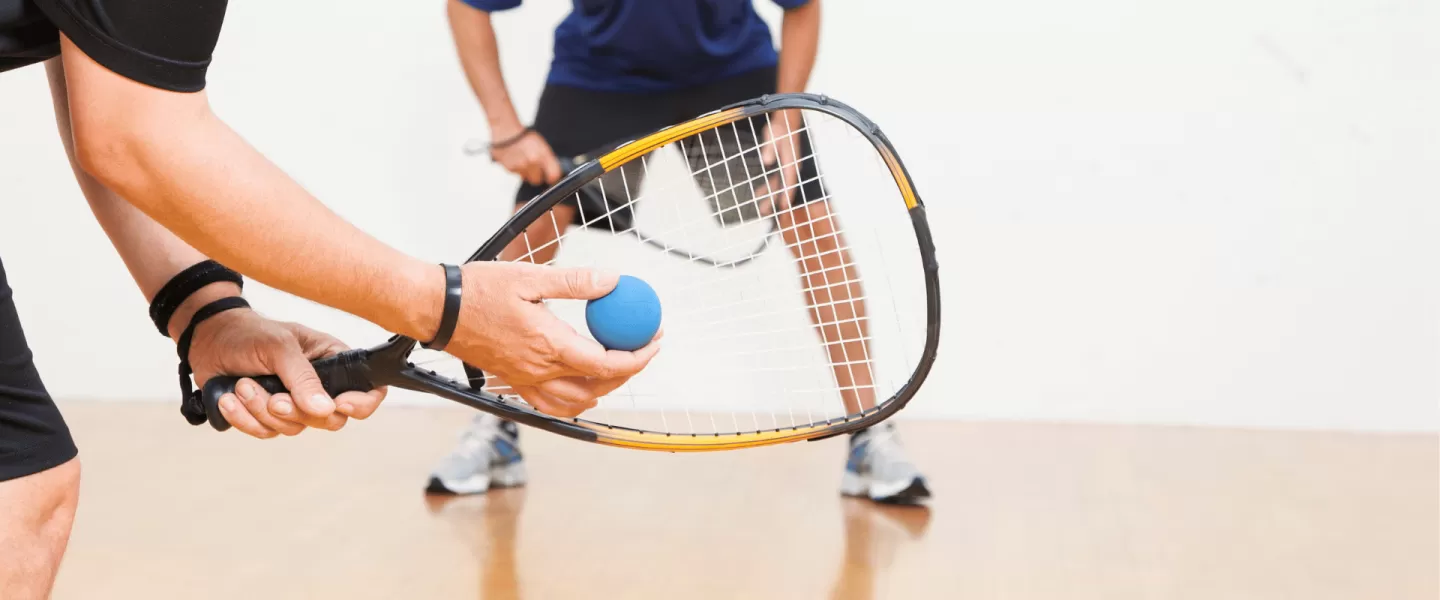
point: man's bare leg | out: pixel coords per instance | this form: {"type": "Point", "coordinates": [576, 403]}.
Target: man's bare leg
{"type": "Point", "coordinates": [36, 512]}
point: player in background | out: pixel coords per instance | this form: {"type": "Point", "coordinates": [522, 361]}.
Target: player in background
{"type": "Point", "coordinates": [624, 68]}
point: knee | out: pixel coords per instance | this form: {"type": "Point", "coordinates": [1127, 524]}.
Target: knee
{"type": "Point", "coordinates": [56, 494]}
{"type": "Point", "coordinates": [63, 497]}
{"type": "Point", "coordinates": [35, 529]}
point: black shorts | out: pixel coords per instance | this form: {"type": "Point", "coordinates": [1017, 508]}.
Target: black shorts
{"type": "Point", "coordinates": [161, 43]}
{"type": "Point", "coordinates": [33, 436]}
{"type": "Point", "coordinates": [580, 123]}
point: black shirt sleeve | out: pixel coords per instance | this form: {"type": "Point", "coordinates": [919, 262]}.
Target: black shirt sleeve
{"type": "Point", "coordinates": [161, 43]}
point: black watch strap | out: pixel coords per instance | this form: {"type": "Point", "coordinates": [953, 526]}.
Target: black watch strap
{"type": "Point", "coordinates": [451, 313]}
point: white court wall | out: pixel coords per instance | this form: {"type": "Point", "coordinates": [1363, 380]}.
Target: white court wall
{"type": "Point", "coordinates": [1164, 212]}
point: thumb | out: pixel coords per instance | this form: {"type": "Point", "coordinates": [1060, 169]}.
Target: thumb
{"type": "Point", "coordinates": [552, 170]}
{"type": "Point", "coordinates": [315, 344]}
{"type": "Point", "coordinates": [295, 370]}
{"type": "Point", "coordinates": [573, 284]}
{"type": "Point", "coordinates": [767, 154]}
{"type": "Point", "coordinates": [768, 148]}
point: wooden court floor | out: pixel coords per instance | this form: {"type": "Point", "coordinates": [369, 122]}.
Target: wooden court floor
{"type": "Point", "coordinates": [1023, 511]}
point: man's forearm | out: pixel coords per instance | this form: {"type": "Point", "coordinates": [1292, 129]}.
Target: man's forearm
{"type": "Point", "coordinates": [799, 42]}
{"type": "Point", "coordinates": [150, 252]}
{"type": "Point", "coordinates": [480, 57]}
{"type": "Point", "coordinates": [211, 188]}
{"type": "Point", "coordinates": [170, 157]}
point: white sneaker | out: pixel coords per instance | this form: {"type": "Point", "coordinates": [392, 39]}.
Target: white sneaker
{"type": "Point", "coordinates": [878, 469]}
{"type": "Point", "coordinates": [487, 456]}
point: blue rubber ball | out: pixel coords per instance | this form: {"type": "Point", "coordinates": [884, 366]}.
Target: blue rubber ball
{"type": "Point", "coordinates": [626, 318]}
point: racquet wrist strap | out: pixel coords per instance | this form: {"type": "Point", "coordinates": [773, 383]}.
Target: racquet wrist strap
{"type": "Point", "coordinates": [450, 316]}
{"type": "Point", "coordinates": [185, 284]}
{"type": "Point", "coordinates": [190, 404]}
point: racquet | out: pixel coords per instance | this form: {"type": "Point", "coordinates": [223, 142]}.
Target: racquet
{"type": "Point", "coordinates": [834, 334]}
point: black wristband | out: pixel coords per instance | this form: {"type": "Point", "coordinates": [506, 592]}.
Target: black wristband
{"type": "Point", "coordinates": [181, 286]}
{"type": "Point", "coordinates": [190, 404]}
{"type": "Point", "coordinates": [512, 140]}
{"type": "Point", "coordinates": [451, 314]}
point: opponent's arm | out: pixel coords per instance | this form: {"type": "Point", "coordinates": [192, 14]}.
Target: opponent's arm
{"type": "Point", "coordinates": [480, 57]}
{"type": "Point", "coordinates": [528, 156]}
{"type": "Point", "coordinates": [799, 42]}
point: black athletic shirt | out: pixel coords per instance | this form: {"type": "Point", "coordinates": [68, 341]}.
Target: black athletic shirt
{"type": "Point", "coordinates": [162, 43]}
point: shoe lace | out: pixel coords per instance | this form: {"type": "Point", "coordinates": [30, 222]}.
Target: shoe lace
{"type": "Point", "coordinates": [883, 449]}
{"type": "Point", "coordinates": [476, 439]}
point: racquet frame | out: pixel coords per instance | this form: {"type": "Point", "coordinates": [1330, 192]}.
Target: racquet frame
{"type": "Point", "coordinates": [388, 364]}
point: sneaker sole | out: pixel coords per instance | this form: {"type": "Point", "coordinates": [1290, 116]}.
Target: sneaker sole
{"type": "Point", "coordinates": [508, 476]}
{"type": "Point", "coordinates": [912, 493]}
{"type": "Point", "coordinates": [464, 487]}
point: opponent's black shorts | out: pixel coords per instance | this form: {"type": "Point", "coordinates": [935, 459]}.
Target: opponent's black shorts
{"type": "Point", "coordinates": [161, 43]}
{"type": "Point", "coordinates": [33, 436]}
{"type": "Point", "coordinates": [582, 123]}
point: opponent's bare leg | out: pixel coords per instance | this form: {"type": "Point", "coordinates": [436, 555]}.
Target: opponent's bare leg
{"type": "Point", "coordinates": [877, 466]}
{"type": "Point", "coordinates": [835, 296]}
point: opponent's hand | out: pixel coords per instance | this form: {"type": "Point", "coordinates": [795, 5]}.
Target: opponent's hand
{"type": "Point", "coordinates": [242, 342]}
{"type": "Point", "coordinates": [506, 329]}
{"type": "Point", "coordinates": [530, 157]}
{"type": "Point", "coordinates": [780, 147]}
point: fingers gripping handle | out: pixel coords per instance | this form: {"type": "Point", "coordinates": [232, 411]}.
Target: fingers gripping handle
{"type": "Point", "coordinates": [344, 372]}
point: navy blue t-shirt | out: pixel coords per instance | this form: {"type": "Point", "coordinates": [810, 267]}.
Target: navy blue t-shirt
{"type": "Point", "coordinates": [655, 45]}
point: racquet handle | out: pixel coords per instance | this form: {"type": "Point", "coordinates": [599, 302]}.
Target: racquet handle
{"type": "Point", "coordinates": [347, 371]}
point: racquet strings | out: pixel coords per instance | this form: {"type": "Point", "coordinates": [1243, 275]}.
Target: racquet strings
{"type": "Point", "coordinates": [795, 294]}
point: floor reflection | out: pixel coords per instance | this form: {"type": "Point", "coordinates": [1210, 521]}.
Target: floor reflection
{"type": "Point", "coordinates": [489, 522]}
{"type": "Point", "coordinates": [873, 535]}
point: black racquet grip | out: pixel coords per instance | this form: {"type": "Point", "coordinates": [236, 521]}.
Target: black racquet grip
{"type": "Point", "coordinates": [344, 372]}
